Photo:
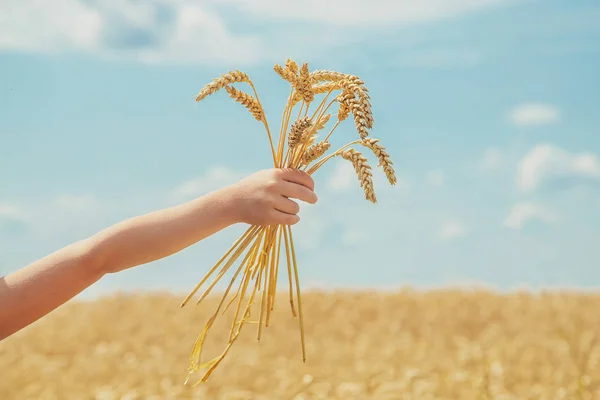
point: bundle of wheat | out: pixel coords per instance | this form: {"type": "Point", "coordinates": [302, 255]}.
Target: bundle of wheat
{"type": "Point", "coordinates": [263, 243]}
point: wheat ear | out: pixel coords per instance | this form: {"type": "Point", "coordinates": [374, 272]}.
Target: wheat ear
{"type": "Point", "coordinates": [287, 74]}
{"type": "Point", "coordinates": [247, 101]}
{"type": "Point", "coordinates": [298, 133]}
{"type": "Point", "coordinates": [304, 86]}
{"type": "Point", "coordinates": [385, 161]}
{"type": "Point", "coordinates": [323, 75]}
{"type": "Point", "coordinates": [314, 152]}
{"type": "Point", "coordinates": [363, 170]}
{"type": "Point", "coordinates": [291, 66]}
{"type": "Point", "coordinates": [319, 89]}
{"type": "Point", "coordinates": [356, 86]}
{"type": "Point", "coordinates": [221, 82]}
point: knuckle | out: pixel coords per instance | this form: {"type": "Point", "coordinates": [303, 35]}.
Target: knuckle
{"type": "Point", "coordinates": [270, 202]}
{"type": "Point", "coordinates": [279, 172]}
{"type": "Point", "coordinates": [302, 173]}
{"type": "Point", "coordinates": [272, 185]}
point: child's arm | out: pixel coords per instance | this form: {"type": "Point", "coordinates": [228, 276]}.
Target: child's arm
{"type": "Point", "coordinates": [262, 199]}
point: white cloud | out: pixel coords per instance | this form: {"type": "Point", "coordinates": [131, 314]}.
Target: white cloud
{"type": "Point", "coordinates": [182, 31]}
{"type": "Point", "coordinates": [9, 211]}
{"type": "Point", "coordinates": [54, 212]}
{"type": "Point", "coordinates": [201, 36]}
{"type": "Point", "coordinates": [546, 162]}
{"type": "Point", "coordinates": [451, 230]}
{"type": "Point", "coordinates": [362, 13]}
{"type": "Point", "coordinates": [42, 26]}
{"type": "Point", "coordinates": [187, 31]}
{"type": "Point", "coordinates": [534, 114]}
{"type": "Point", "coordinates": [215, 178]}
{"type": "Point", "coordinates": [521, 213]}
{"type": "Point", "coordinates": [492, 158]}
{"type": "Point", "coordinates": [56, 217]}
{"type": "Point", "coordinates": [435, 177]}
{"type": "Point", "coordinates": [343, 176]}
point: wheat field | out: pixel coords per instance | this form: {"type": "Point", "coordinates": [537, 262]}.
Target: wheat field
{"type": "Point", "coordinates": [442, 344]}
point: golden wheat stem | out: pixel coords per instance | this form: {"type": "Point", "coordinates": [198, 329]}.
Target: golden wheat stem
{"type": "Point", "coordinates": [226, 267]}
{"type": "Point", "coordinates": [197, 351]}
{"type": "Point", "coordinates": [242, 264]}
{"type": "Point", "coordinates": [284, 123]}
{"type": "Point", "coordinates": [322, 104]}
{"type": "Point", "coordinates": [272, 278]}
{"type": "Point", "coordinates": [319, 164]}
{"type": "Point", "coordinates": [250, 263]}
{"type": "Point", "coordinates": [247, 310]}
{"type": "Point", "coordinates": [301, 108]}
{"type": "Point", "coordinates": [254, 251]}
{"type": "Point", "coordinates": [214, 365]}
{"type": "Point", "coordinates": [289, 109]}
{"type": "Point", "coordinates": [296, 153]}
{"type": "Point", "coordinates": [301, 319]}
{"type": "Point", "coordinates": [259, 271]}
{"type": "Point", "coordinates": [249, 231]}
{"type": "Point", "coordinates": [233, 338]}
{"type": "Point", "coordinates": [266, 124]}
{"type": "Point", "coordinates": [242, 290]}
{"type": "Point", "coordinates": [220, 358]}
{"type": "Point", "coordinates": [331, 131]}
{"type": "Point", "coordinates": [289, 269]}
{"type": "Point", "coordinates": [328, 105]}
{"type": "Point", "coordinates": [262, 277]}
{"type": "Point", "coordinates": [277, 259]}
{"type": "Point", "coordinates": [266, 271]}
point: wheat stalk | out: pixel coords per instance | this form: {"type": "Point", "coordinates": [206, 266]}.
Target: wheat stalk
{"type": "Point", "coordinates": [260, 247]}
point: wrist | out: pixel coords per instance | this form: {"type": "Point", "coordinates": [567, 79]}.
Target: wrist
{"type": "Point", "coordinates": [227, 204]}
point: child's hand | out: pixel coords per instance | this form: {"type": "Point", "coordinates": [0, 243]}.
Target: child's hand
{"type": "Point", "coordinates": [263, 198]}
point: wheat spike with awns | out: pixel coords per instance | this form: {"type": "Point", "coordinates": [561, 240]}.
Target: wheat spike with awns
{"type": "Point", "coordinates": [296, 147]}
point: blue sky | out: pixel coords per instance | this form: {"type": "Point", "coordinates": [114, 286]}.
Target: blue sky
{"type": "Point", "coordinates": [490, 110]}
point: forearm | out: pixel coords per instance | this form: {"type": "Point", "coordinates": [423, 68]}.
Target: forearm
{"type": "Point", "coordinates": [162, 233]}
{"type": "Point", "coordinates": [32, 292]}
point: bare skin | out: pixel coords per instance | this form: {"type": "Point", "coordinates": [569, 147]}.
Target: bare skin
{"type": "Point", "coordinates": [263, 198]}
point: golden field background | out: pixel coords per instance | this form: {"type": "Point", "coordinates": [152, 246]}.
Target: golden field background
{"type": "Point", "coordinates": [443, 344]}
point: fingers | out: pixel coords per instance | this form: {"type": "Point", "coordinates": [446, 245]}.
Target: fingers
{"type": "Point", "coordinates": [290, 184]}
{"type": "Point", "coordinates": [297, 191]}
{"type": "Point", "coordinates": [281, 218]}
{"type": "Point", "coordinates": [287, 206]}
{"type": "Point", "coordinates": [298, 177]}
